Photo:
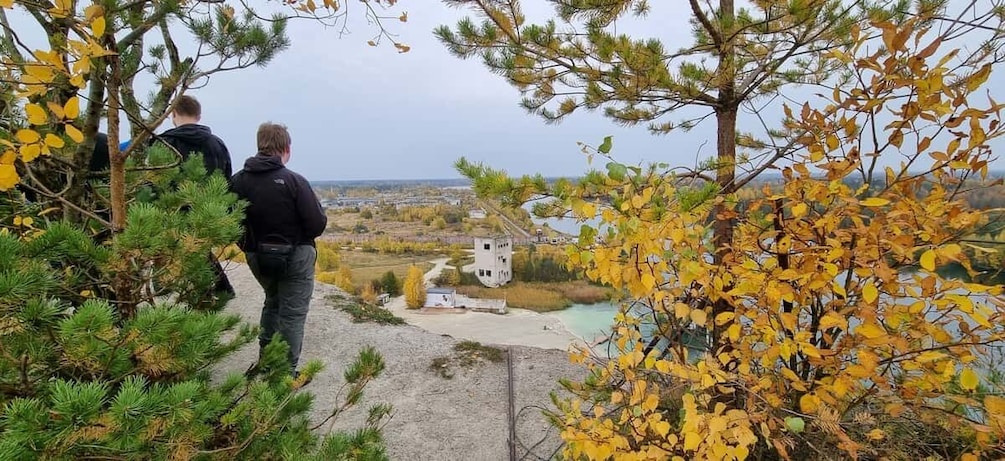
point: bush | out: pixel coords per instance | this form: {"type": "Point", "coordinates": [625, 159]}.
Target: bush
{"type": "Point", "coordinates": [390, 284]}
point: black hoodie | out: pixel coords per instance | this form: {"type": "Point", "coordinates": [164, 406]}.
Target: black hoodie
{"type": "Point", "coordinates": [191, 138]}
{"type": "Point", "coordinates": [281, 203]}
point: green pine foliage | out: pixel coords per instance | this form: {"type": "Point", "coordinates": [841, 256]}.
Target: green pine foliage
{"type": "Point", "coordinates": [83, 376]}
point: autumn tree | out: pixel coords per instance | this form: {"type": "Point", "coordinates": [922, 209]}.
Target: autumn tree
{"type": "Point", "coordinates": [107, 339]}
{"type": "Point", "coordinates": [98, 58]}
{"type": "Point", "coordinates": [739, 56]}
{"type": "Point", "coordinates": [415, 288]}
{"type": "Point", "coordinates": [369, 294]}
{"type": "Point", "coordinates": [831, 329]}
{"type": "Point", "coordinates": [344, 279]}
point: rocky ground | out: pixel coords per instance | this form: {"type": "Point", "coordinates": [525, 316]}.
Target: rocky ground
{"type": "Point", "coordinates": [435, 418]}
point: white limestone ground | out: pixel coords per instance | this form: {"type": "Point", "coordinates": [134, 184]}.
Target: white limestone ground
{"type": "Point", "coordinates": [462, 418]}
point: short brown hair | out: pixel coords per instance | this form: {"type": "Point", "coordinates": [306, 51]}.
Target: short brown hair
{"type": "Point", "coordinates": [188, 106]}
{"type": "Point", "coordinates": [273, 138]}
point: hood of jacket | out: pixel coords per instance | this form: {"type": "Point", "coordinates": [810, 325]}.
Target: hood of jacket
{"type": "Point", "coordinates": [192, 133]}
{"type": "Point", "coordinates": [262, 163]}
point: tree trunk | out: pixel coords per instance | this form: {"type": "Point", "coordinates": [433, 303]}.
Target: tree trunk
{"type": "Point", "coordinates": [121, 282]}
{"type": "Point", "coordinates": [724, 214]}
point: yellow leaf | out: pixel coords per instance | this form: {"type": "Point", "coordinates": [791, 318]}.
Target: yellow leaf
{"type": "Point", "coordinates": [650, 403]}
{"type": "Point", "coordinates": [969, 379]}
{"type": "Point", "coordinates": [27, 221]}
{"type": "Point", "coordinates": [681, 310]}
{"type": "Point", "coordinates": [832, 142]}
{"type": "Point", "coordinates": [36, 114]}
{"type": "Point", "coordinates": [26, 136]}
{"type": "Point", "coordinates": [870, 293]}
{"type": "Point", "coordinates": [969, 457]}
{"type": "Point", "coordinates": [876, 434]}
{"type": "Point", "coordinates": [74, 134]}
{"type": "Point", "coordinates": [928, 260]}
{"type": "Point", "coordinates": [799, 209]}
{"type": "Point", "coordinates": [662, 428]}
{"type": "Point", "coordinates": [8, 177]}
{"type": "Point", "coordinates": [870, 330]}
{"type": "Point", "coordinates": [691, 440]}
{"type": "Point", "coordinates": [7, 4]}
{"type": "Point", "coordinates": [54, 141]}
{"type": "Point", "coordinates": [699, 317]}
{"type": "Point", "coordinates": [994, 405]}
{"type": "Point", "coordinates": [637, 201]}
{"type": "Point", "coordinates": [809, 403]}
{"type": "Point", "coordinates": [874, 201]}
{"type": "Point", "coordinates": [833, 319]}
{"type": "Point", "coordinates": [56, 109]}
{"type": "Point", "coordinates": [98, 26]}
{"type": "Point", "coordinates": [30, 152]}
{"type": "Point", "coordinates": [648, 280]}
{"type": "Point", "coordinates": [724, 318]}
{"type": "Point", "coordinates": [72, 108]}
{"type": "Point", "coordinates": [589, 210]}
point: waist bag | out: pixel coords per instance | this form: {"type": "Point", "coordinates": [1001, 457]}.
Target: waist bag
{"type": "Point", "coordinates": [274, 256]}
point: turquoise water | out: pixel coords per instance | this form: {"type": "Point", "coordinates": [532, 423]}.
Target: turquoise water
{"type": "Point", "coordinates": [588, 320]}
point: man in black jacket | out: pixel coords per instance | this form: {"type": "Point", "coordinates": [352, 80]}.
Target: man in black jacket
{"type": "Point", "coordinates": [189, 137]}
{"type": "Point", "coordinates": [281, 222]}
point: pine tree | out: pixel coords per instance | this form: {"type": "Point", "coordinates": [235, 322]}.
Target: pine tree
{"type": "Point", "coordinates": [415, 288]}
{"type": "Point", "coordinates": [389, 283]}
{"type": "Point", "coordinates": [80, 378]}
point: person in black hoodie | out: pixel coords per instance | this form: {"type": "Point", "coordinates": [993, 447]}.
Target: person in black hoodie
{"type": "Point", "coordinates": [189, 137]}
{"type": "Point", "coordinates": [281, 222]}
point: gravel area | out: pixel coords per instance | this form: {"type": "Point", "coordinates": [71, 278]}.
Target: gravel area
{"type": "Point", "coordinates": [435, 418]}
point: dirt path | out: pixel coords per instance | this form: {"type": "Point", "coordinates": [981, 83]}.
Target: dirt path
{"type": "Point", "coordinates": [463, 418]}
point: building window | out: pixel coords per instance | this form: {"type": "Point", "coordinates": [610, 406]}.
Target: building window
{"type": "Point", "coordinates": [504, 260]}
{"type": "Point", "coordinates": [488, 246]}
{"type": "Point", "coordinates": [481, 272]}
{"type": "Point", "coordinates": [488, 273]}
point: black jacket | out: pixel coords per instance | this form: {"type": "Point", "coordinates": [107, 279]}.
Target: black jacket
{"type": "Point", "coordinates": [281, 203]}
{"type": "Point", "coordinates": [192, 138]}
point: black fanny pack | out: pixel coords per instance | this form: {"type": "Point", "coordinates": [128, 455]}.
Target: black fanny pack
{"type": "Point", "coordinates": [274, 256]}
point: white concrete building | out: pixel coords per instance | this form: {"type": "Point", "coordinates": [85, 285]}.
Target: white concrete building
{"type": "Point", "coordinates": [441, 297]}
{"type": "Point", "coordinates": [494, 260]}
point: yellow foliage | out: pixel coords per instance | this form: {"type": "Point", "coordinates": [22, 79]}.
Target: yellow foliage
{"type": "Point", "coordinates": [369, 294]}
{"type": "Point", "coordinates": [415, 288]}
{"type": "Point", "coordinates": [799, 320]}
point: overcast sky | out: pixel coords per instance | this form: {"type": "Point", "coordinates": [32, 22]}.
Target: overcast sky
{"type": "Point", "coordinates": [361, 112]}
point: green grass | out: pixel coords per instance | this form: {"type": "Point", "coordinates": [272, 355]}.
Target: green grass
{"type": "Point", "coordinates": [541, 296]}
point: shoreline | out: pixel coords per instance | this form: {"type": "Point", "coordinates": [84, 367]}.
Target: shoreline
{"type": "Point", "coordinates": [518, 327]}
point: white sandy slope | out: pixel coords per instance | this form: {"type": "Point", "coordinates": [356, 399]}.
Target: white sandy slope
{"type": "Point", "coordinates": [463, 418]}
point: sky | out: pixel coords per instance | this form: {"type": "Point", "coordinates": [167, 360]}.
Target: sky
{"type": "Point", "coordinates": [360, 112]}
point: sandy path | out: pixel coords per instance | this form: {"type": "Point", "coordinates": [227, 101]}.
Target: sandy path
{"type": "Point", "coordinates": [463, 418]}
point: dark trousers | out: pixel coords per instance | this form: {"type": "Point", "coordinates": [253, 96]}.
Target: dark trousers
{"type": "Point", "coordinates": [287, 299]}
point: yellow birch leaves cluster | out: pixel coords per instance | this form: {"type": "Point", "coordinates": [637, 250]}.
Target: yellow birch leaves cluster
{"type": "Point", "coordinates": [40, 80]}
{"type": "Point", "coordinates": [840, 324]}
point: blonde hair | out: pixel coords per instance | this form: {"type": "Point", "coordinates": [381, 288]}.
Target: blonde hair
{"type": "Point", "coordinates": [273, 138]}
